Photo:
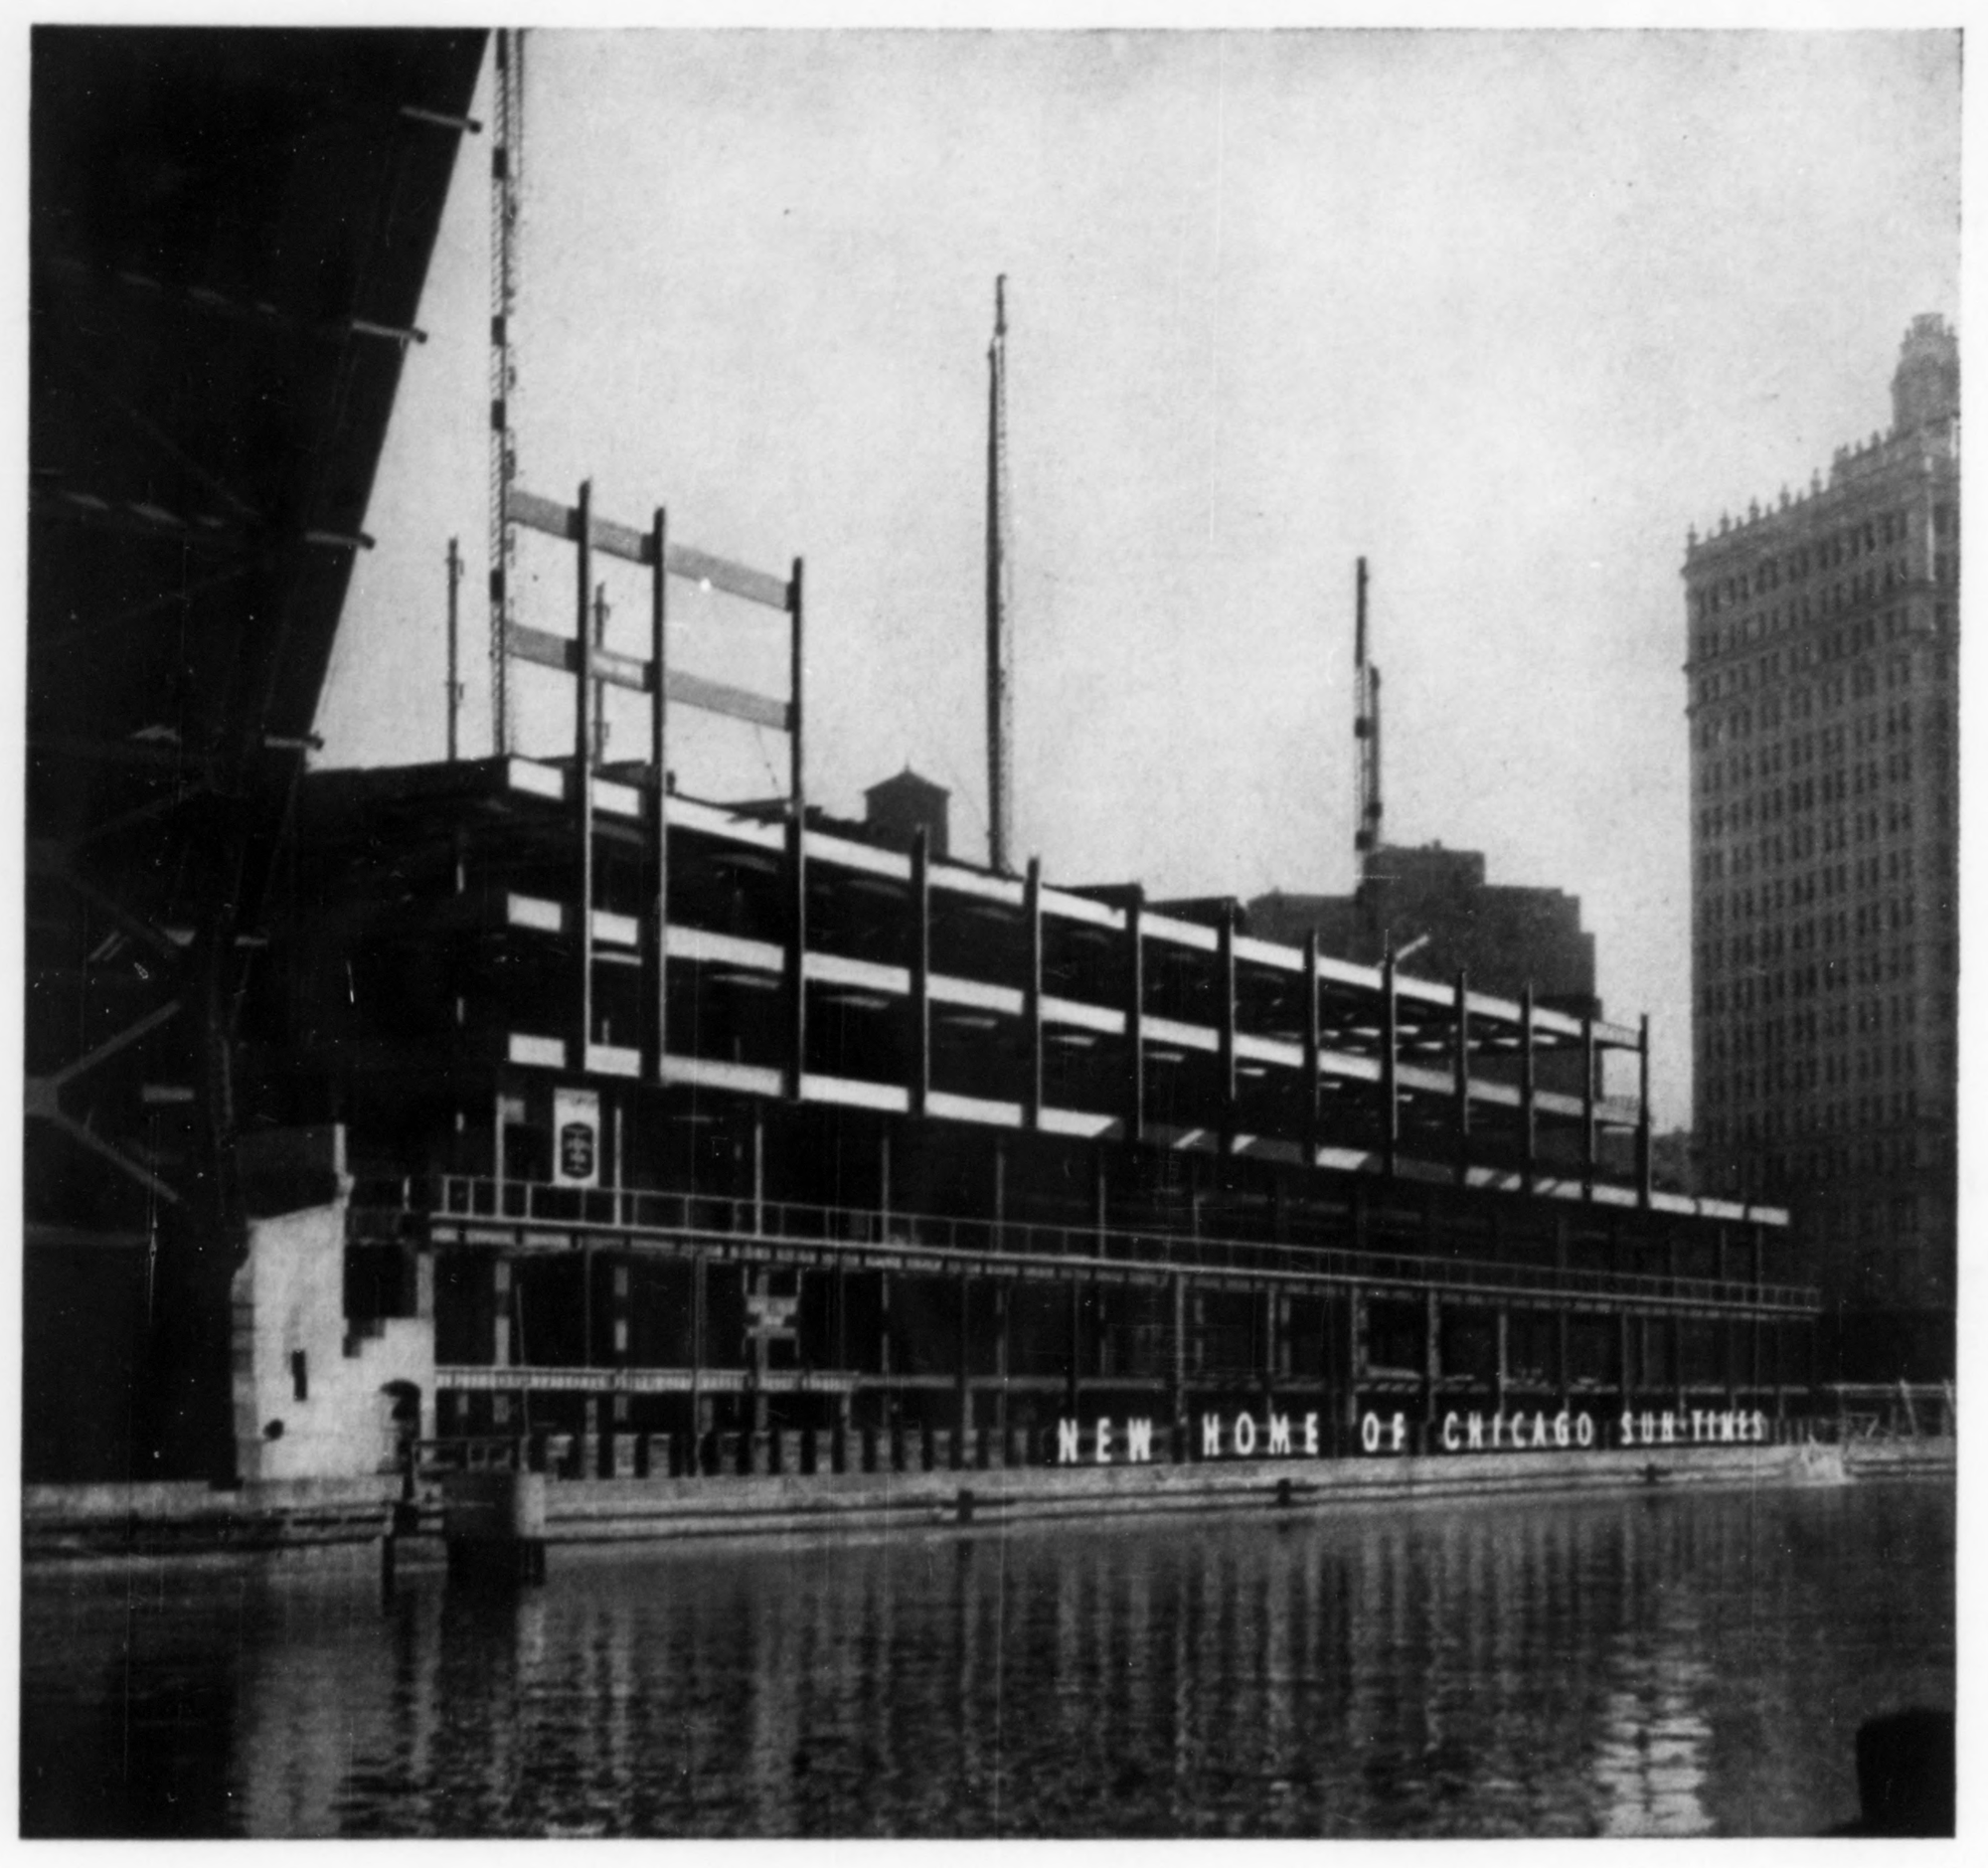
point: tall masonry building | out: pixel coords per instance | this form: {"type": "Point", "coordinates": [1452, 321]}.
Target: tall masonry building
{"type": "Point", "coordinates": [1823, 704]}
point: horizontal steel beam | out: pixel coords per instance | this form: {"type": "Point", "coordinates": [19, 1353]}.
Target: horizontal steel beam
{"type": "Point", "coordinates": [628, 671]}
{"type": "Point", "coordinates": [625, 542]}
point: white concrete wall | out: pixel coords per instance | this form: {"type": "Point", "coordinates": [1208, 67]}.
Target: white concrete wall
{"type": "Point", "coordinates": [289, 1297]}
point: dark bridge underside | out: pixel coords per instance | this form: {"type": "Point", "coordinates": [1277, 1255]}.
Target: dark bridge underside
{"type": "Point", "coordinates": [230, 232]}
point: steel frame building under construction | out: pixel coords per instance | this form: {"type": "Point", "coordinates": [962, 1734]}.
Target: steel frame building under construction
{"type": "Point", "coordinates": [659, 1116]}
{"type": "Point", "coordinates": [484, 1100]}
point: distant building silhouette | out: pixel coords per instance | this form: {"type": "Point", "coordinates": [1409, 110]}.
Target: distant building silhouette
{"type": "Point", "coordinates": [1824, 727]}
{"type": "Point", "coordinates": [1442, 918]}
{"type": "Point", "coordinates": [1503, 936]}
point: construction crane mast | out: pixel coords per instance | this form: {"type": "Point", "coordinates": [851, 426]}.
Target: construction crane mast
{"type": "Point", "coordinates": [1000, 750]}
{"type": "Point", "coordinates": [507, 175]}
{"type": "Point", "coordinates": [1365, 731]}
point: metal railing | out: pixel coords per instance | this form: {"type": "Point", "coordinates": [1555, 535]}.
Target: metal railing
{"type": "Point", "coordinates": [399, 1208]}
{"type": "Point", "coordinates": [1888, 1411]}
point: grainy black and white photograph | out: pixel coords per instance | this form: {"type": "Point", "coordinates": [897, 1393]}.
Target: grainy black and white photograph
{"type": "Point", "coordinates": [766, 1095]}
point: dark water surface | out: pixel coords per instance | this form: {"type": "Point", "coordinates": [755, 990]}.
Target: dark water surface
{"type": "Point", "coordinates": [1663, 1663]}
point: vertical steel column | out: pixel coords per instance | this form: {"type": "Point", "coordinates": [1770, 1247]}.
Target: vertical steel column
{"type": "Point", "coordinates": [796, 980]}
{"type": "Point", "coordinates": [500, 1312]}
{"type": "Point", "coordinates": [583, 769]}
{"type": "Point", "coordinates": [1433, 1358]}
{"type": "Point", "coordinates": [1032, 994]}
{"type": "Point", "coordinates": [1529, 1084]}
{"type": "Point", "coordinates": [1759, 1241]}
{"type": "Point", "coordinates": [756, 1284]}
{"type": "Point", "coordinates": [840, 1300]}
{"type": "Point", "coordinates": [1644, 1165]}
{"type": "Point", "coordinates": [1177, 1384]}
{"type": "Point", "coordinates": [1723, 1325]}
{"type": "Point", "coordinates": [963, 1377]}
{"type": "Point", "coordinates": [1390, 1104]}
{"type": "Point", "coordinates": [1462, 1068]}
{"type": "Point", "coordinates": [917, 1002]}
{"type": "Point", "coordinates": [1328, 1360]}
{"type": "Point", "coordinates": [620, 1278]}
{"type": "Point", "coordinates": [1588, 1123]}
{"type": "Point", "coordinates": [1356, 1353]}
{"type": "Point", "coordinates": [1502, 1372]}
{"type": "Point", "coordinates": [1676, 1331]}
{"type": "Point", "coordinates": [1622, 1351]}
{"type": "Point", "coordinates": [884, 1184]}
{"type": "Point", "coordinates": [1313, 1125]}
{"type": "Point", "coordinates": [700, 1281]}
{"type": "Point", "coordinates": [883, 1341]}
{"type": "Point", "coordinates": [1269, 1360]}
{"type": "Point", "coordinates": [758, 1171]}
{"type": "Point", "coordinates": [1225, 968]}
{"type": "Point", "coordinates": [1000, 1241]}
{"type": "Point", "coordinates": [659, 769]}
{"type": "Point", "coordinates": [1563, 1373]}
{"type": "Point", "coordinates": [1003, 1291]}
{"type": "Point", "coordinates": [1070, 1377]}
{"type": "Point", "coordinates": [1135, 1018]}
{"type": "Point", "coordinates": [454, 649]}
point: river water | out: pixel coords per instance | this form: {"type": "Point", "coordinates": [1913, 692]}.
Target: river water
{"type": "Point", "coordinates": [1665, 1663]}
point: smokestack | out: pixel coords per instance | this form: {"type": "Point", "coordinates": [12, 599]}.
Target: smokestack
{"type": "Point", "coordinates": [1000, 748]}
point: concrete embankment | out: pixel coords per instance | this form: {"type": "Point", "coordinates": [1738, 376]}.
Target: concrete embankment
{"type": "Point", "coordinates": [194, 1519]}
{"type": "Point", "coordinates": [1901, 1458]}
{"type": "Point", "coordinates": [164, 1520]}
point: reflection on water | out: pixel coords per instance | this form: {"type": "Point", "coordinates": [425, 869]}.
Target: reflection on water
{"type": "Point", "coordinates": [1662, 1664]}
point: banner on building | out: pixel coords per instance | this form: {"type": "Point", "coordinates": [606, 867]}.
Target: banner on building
{"type": "Point", "coordinates": [576, 1137]}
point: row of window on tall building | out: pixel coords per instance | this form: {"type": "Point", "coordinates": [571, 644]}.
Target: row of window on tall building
{"type": "Point", "coordinates": [1763, 1117]}
{"type": "Point", "coordinates": [1742, 815]}
{"type": "Point", "coordinates": [1843, 546]}
{"type": "Point", "coordinates": [1856, 640]}
{"type": "Point", "coordinates": [1868, 965]}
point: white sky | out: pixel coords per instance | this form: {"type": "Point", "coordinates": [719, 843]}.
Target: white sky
{"type": "Point", "coordinates": [1504, 313]}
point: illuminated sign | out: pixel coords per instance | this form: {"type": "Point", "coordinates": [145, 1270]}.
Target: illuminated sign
{"type": "Point", "coordinates": [1277, 1436]}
